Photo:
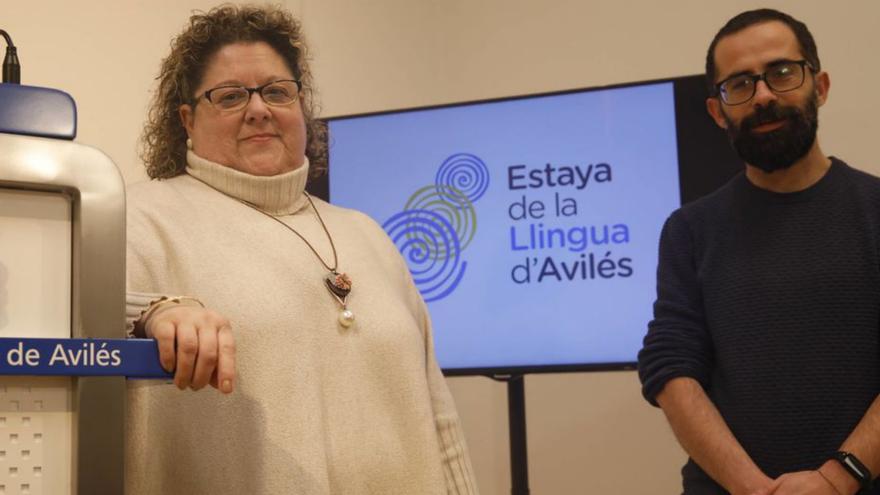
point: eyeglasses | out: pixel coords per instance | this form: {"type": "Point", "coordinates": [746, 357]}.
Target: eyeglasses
{"type": "Point", "coordinates": [780, 77]}
{"type": "Point", "coordinates": [276, 93]}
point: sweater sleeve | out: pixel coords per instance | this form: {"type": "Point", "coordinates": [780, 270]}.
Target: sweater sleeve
{"type": "Point", "coordinates": [457, 468]}
{"type": "Point", "coordinates": [136, 303]}
{"type": "Point", "coordinates": [677, 343]}
{"type": "Point", "coordinates": [140, 282]}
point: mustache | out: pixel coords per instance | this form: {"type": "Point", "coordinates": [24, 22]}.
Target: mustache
{"type": "Point", "coordinates": [770, 113]}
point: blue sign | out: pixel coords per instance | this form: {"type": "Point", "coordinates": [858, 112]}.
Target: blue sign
{"type": "Point", "coordinates": [132, 358]}
{"type": "Point", "coordinates": [530, 225]}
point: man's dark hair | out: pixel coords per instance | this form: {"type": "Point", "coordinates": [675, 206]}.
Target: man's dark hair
{"type": "Point", "coordinates": [752, 17]}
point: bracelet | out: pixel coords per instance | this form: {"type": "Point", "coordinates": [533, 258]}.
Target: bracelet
{"type": "Point", "coordinates": [153, 307]}
{"type": "Point", "coordinates": [856, 469]}
{"type": "Point", "coordinates": [829, 481]}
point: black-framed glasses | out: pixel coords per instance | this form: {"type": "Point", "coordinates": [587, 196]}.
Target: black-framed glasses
{"type": "Point", "coordinates": [780, 77]}
{"type": "Point", "coordinates": [276, 93]}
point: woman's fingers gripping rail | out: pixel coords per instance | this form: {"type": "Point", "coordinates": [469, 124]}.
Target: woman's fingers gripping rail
{"type": "Point", "coordinates": [197, 344]}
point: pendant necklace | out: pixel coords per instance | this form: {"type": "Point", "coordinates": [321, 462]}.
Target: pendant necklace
{"type": "Point", "coordinates": [337, 283]}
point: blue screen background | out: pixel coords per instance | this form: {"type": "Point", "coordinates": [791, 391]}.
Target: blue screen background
{"type": "Point", "coordinates": [487, 320]}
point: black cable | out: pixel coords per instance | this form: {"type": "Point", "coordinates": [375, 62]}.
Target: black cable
{"type": "Point", "coordinates": [11, 65]}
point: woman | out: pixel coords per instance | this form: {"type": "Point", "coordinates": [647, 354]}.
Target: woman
{"type": "Point", "coordinates": [337, 389]}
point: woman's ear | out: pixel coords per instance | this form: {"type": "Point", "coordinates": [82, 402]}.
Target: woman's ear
{"type": "Point", "coordinates": [187, 116]}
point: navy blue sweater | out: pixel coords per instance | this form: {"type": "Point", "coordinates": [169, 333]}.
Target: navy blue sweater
{"type": "Point", "coordinates": [772, 302]}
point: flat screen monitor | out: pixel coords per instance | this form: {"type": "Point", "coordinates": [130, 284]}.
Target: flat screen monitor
{"type": "Point", "coordinates": [531, 224]}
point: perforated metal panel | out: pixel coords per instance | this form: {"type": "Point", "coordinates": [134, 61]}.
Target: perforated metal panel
{"type": "Point", "coordinates": [36, 421]}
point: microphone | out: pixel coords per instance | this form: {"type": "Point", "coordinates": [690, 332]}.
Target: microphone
{"type": "Point", "coordinates": [11, 66]}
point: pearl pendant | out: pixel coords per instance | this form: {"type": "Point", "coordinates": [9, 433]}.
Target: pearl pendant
{"type": "Point", "coordinates": [346, 318]}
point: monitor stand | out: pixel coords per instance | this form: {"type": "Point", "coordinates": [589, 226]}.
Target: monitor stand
{"type": "Point", "coordinates": [516, 418]}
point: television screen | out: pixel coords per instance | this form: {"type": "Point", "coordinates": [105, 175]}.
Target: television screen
{"type": "Point", "coordinates": [530, 224]}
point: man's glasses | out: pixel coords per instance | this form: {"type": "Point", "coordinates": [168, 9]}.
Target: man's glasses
{"type": "Point", "coordinates": [276, 93]}
{"type": "Point", "coordinates": [780, 77]}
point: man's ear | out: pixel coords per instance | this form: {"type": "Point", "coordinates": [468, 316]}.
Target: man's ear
{"type": "Point", "coordinates": [823, 85]}
{"type": "Point", "coordinates": [713, 106]}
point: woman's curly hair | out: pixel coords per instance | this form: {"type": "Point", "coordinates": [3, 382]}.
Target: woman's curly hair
{"type": "Point", "coordinates": [163, 141]}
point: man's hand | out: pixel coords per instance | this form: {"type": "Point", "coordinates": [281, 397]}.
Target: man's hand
{"type": "Point", "coordinates": [802, 483]}
{"type": "Point", "coordinates": [705, 436]}
{"type": "Point", "coordinates": [197, 344]}
{"type": "Point", "coordinates": [766, 488]}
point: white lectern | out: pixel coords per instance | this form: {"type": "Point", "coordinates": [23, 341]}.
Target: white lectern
{"type": "Point", "coordinates": [62, 276]}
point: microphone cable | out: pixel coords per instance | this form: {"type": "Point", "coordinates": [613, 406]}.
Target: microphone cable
{"type": "Point", "coordinates": [11, 66]}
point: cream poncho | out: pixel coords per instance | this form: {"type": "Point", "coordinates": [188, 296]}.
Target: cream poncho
{"type": "Point", "coordinates": [318, 408]}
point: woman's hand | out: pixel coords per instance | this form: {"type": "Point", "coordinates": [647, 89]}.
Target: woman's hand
{"type": "Point", "coordinates": [196, 344]}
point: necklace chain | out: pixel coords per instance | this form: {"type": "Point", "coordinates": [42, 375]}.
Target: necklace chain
{"type": "Point", "coordinates": [331, 269]}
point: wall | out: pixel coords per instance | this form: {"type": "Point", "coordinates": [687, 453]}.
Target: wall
{"type": "Point", "coordinates": [588, 433]}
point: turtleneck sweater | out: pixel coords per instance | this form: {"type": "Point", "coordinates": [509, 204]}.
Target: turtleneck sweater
{"type": "Point", "coordinates": [770, 301]}
{"type": "Point", "coordinates": [318, 408]}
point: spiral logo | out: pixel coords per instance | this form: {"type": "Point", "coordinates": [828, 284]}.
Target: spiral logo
{"type": "Point", "coordinates": [465, 173]}
{"type": "Point", "coordinates": [453, 205]}
{"type": "Point", "coordinates": [420, 235]}
{"type": "Point", "coordinates": [438, 222]}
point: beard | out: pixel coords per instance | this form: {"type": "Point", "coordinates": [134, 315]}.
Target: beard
{"type": "Point", "coordinates": [780, 148]}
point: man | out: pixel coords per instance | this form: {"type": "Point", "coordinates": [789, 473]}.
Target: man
{"type": "Point", "coordinates": [763, 352]}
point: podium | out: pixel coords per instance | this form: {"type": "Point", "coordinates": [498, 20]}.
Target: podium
{"type": "Point", "coordinates": [62, 276]}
